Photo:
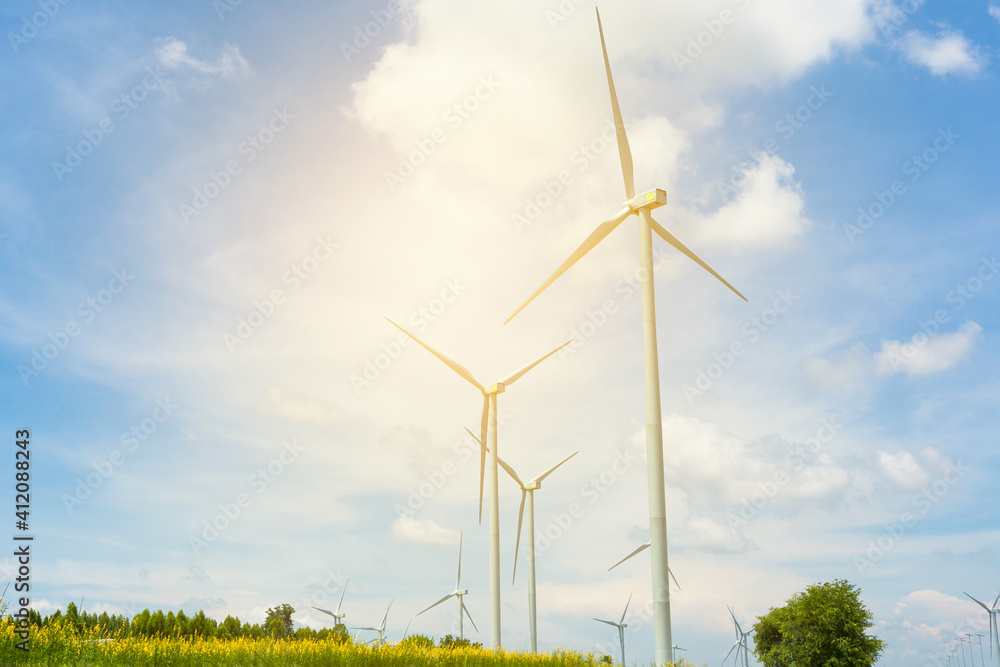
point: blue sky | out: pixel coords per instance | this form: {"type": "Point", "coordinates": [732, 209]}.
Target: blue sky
{"type": "Point", "coordinates": [206, 210]}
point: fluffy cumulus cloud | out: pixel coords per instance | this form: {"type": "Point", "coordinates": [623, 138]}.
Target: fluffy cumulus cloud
{"type": "Point", "coordinates": [994, 12]}
{"type": "Point", "coordinates": [422, 531]}
{"type": "Point", "coordinates": [903, 470]}
{"type": "Point", "coordinates": [766, 211]}
{"type": "Point", "coordinates": [924, 355]}
{"type": "Point", "coordinates": [947, 53]}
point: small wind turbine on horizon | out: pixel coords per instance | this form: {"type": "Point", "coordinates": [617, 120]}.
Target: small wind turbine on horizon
{"type": "Point", "coordinates": [641, 205]}
{"type": "Point", "coordinates": [673, 651]}
{"type": "Point", "coordinates": [979, 638]}
{"type": "Point", "coordinates": [459, 593]}
{"type": "Point", "coordinates": [337, 615]}
{"type": "Point", "coordinates": [488, 430]}
{"type": "Point", "coordinates": [993, 612]}
{"type": "Point", "coordinates": [741, 642]}
{"type": "Point", "coordinates": [621, 625]}
{"type": "Point", "coordinates": [528, 493]}
{"type": "Point", "coordinates": [380, 639]}
{"type": "Point", "coordinates": [640, 550]}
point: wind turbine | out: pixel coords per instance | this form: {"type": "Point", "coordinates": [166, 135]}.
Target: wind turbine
{"type": "Point", "coordinates": [641, 205]}
{"type": "Point", "coordinates": [337, 615]}
{"type": "Point", "coordinates": [380, 639]}
{"type": "Point", "coordinates": [994, 639]}
{"type": "Point", "coordinates": [639, 550]}
{"type": "Point", "coordinates": [741, 642]}
{"type": "Point", "coordinates": [673, 652]}
{"type": "Point", "coordinates": [488, 431]}
{"type": "Point", "coordinates": [458, 593]}
{"type": "Point", "coordinates": [621, 625]}
{"type": "Point", "coordinates": [528, 493]}
{"type": "Point", "coordinates": [979, 638]}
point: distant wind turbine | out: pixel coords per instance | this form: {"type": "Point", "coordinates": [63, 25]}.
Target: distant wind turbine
{"type": "Point", "coordinates": [741, 642]}
{"type": "Point", "coordinates": [993, 611]}
{"type": "Point", "coordinates": [457, 593]}
{"type": "Point", "coordinates": [380, 639]}
{"type": "Point", "coordinates": [639, 550]}
{"type": "Point", "coordinates": [528, 493]}
{"type": "Point", "coordinates": [641, 205]}
{"type": "Point", "coordinates": [673, 652]}
{"type": "Point", "coordinates": [337, 615]}
{"type": "Point", "coordinates": [621, 625]}
{"type": "Point", "coordinates": [488, 431]}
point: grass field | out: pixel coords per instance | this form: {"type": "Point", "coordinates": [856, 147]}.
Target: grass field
{"type": "Point", "coordinates": [57, 644]}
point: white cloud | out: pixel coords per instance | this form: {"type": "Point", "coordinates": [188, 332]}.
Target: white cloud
{"type": "Point", "coordinates": [994, 12]}
{"type": "Point", "coordinates": [903, 470]}
{"type": "Point", "coordinates": [767, 210]}
{"type": "Point", "coordinates": [848, 372]}
{"type": "Point", "coordinates": [947, 53]}
{"type": "Point", "coordinates": [923, 355]}
{"type": "Point", "coordinates": [173, 55]}
{"type": "Point", "coordinates": [422, 531]}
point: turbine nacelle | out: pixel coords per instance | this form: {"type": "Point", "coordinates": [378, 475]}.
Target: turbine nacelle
{"type": "Point", "coordinates": [496, 388]}
{"type": "Point", "coordinates": [655, 198]}
{"type": "Point", "coordinates": [531, 486]}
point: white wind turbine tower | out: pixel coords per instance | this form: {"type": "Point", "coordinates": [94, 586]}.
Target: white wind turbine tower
{"type": "Point", "coordinates": [457, 593]}
{"type": "Point", "coordinates": [488, 430]}
{"type": "Point", "coordinates": [741, 642]}
{"type": "Point", "coordinates": [621, 625]}
{"type": "Point", "coordinates": [993, 611]}
{"type": "Point", "coordinates": [641, 206]}
{"type": "Point", "coordinates": [528, 493]}
{"type": "Point", "coordinates": [380, 639]}
{"type": "Point", "coordinates": [337, 615]}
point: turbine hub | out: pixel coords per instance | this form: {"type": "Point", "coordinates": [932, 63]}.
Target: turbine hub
{"type": "Point", "coordinates": [652, 199]}
{"type": "Point", "coordinates": [463, 592]}
{"type": "Point", "coordinates": [497, 388]}
{"type": "Point", "coordinates": [531, 486]}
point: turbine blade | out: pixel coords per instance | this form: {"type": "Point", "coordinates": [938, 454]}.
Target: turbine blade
{"type": "Point", "coordinates": [730, 651]}
{"type": "Point", "coordinates": [484, 423]}
{"type": "Point", "coordinates": [407, 630]}
{"type": "Point", "coordinates": [466, 610]}
{"type": "Point", "coordinates": [644, 546]}
{"type": "Point", "coordinates": [995, 602]}
{"type": "Point", "coordinates": [453, 365]}
{"type": "Point", "coordinates": [676, 242]}
{"type": "Point", "coordinates": [552, 469]}
{"type": "Point", "coordinates": [513, 377]}
{"type": "Point", "coordinates": [595, 237]}
{"type": "Point", "coordinates": [671, 573]}
{"type": "Point", "coordinates": [510, 471]}
{"type": "Point", "coordinates": [382, 624]}
{"type": "Point", "coordinates": [325, 611]}
{"type": "Point", "coordinates": [626, 609]}
{"type": "Point", "coordinates": [342, 594]}
{"type": "Point", "coordinates": [977, 601]}
{"type": "Point", "coordinates": [608, 622]}
{"type": "Point", "coordinates": [623, 150]}
{"type": "Point", "coordinates": [517, 544]}
{"type": "Point", "coordinates": [446, 597]}
{"type": "Point", "coordinates": [458, 579]}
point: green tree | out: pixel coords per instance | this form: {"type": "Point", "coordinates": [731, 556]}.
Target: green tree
{"type": "Point", "coordinates": [279, 621]}
{"type": "Point", "coordinates": [824, 626]}
{"type": "Point", "coordinates": [418, 641]}
{"type": "Point", "coordinates": [232, 626]}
